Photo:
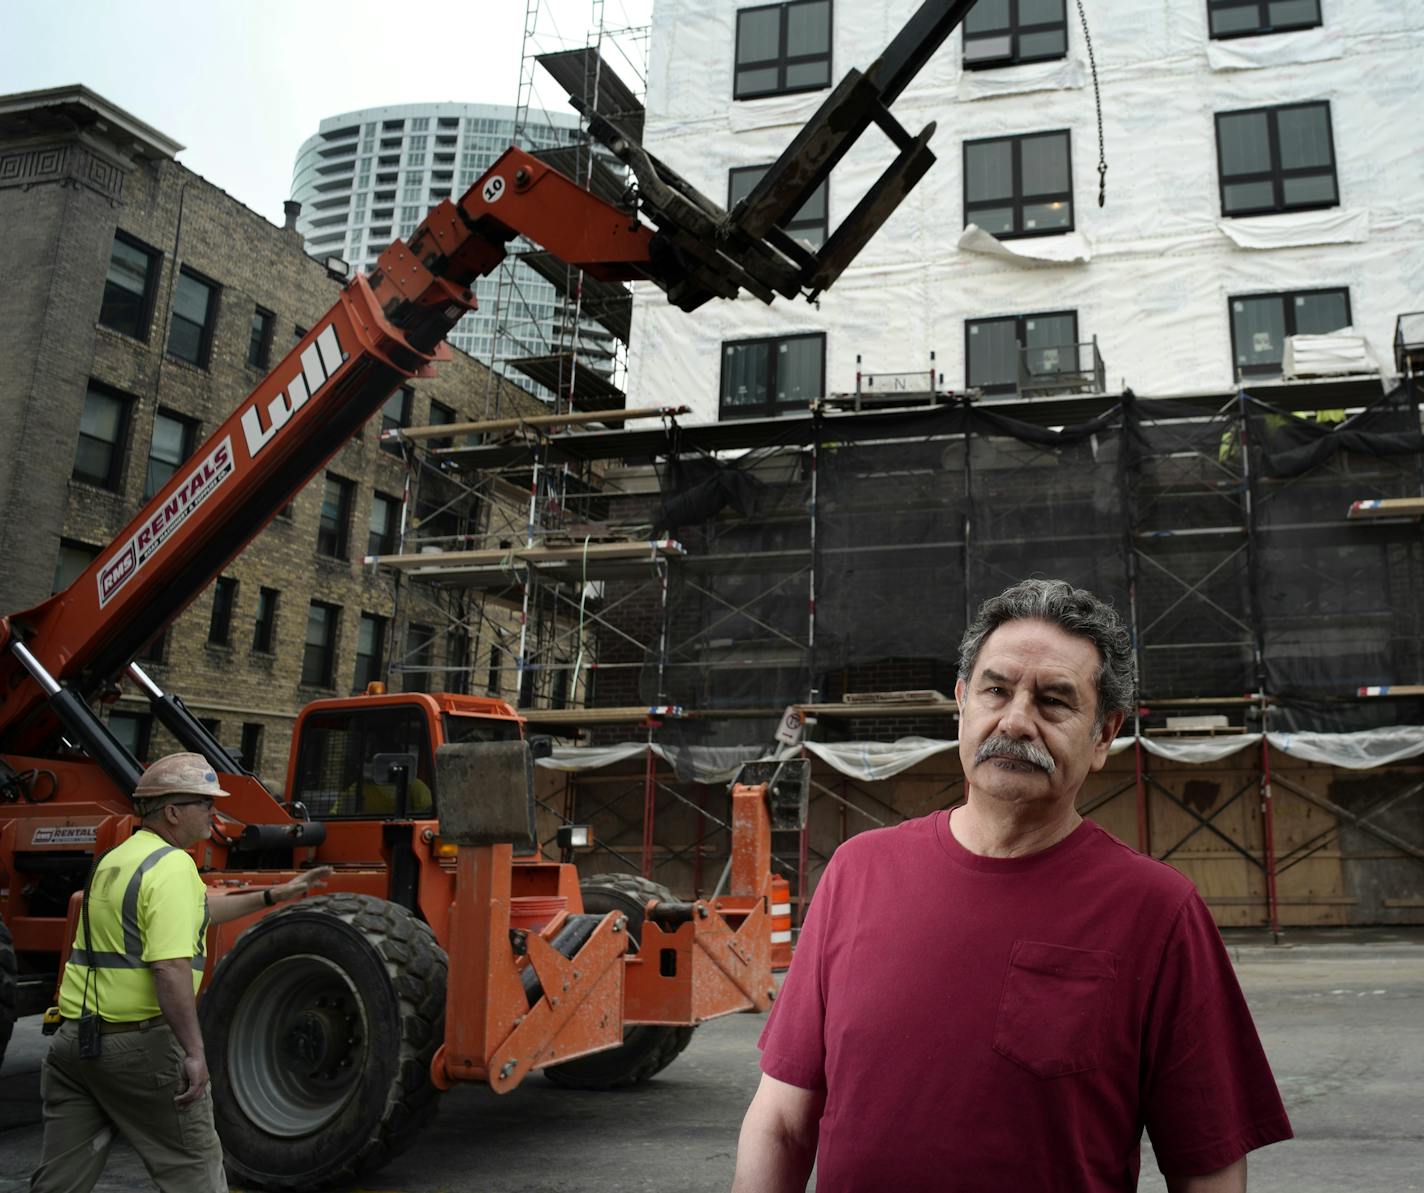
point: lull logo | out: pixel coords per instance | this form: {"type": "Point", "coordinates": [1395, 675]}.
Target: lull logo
{"type": "Point", "coordinates": [320, 360]}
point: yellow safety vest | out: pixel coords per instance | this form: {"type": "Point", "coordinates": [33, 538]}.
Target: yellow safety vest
{"type": "Point", "coordinates": [146, 903]}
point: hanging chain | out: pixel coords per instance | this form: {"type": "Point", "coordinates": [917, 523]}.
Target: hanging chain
{"type": "Point", "coordinates": [1098, 103]}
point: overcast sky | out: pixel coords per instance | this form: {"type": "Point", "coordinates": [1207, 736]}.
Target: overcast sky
{"type": "Point", "coordinates": [242, 83]}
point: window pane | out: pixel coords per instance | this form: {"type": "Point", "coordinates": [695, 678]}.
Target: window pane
{"type": "Point", "coordinates": [73, 560]}
{"type": "Point", "coordinates": [815, 207]}
{"type": "Point", "coordinates": [102, 418]}
{"type": "Point", "coordinates": [1259, 327]}
{"type": "Point", "coordinates": [763, 79]}
{"type": "Point", "coordinates": [740, 183]}
{"type": "Point", "coordinates": [1045, 164]}
{"type": "Point", "coordinates": [1040, 12]}
{"type": "Point", "coordinates": [191, 299]}
{"type": "Point", "coordinates": [1247, 196]}
{"type": "Point", "coordinates": [1050, 44]}
{"type": "Point", "coordinates": [993, 219]}
{"type": "Point", "coordinates": [744, 375]}
{"type": "Point", "coordinates": [1294, 12]}
{"type": "Point", "coordinates": [759, 35]}
{"type": "Point", "coordinates": [808, 28]}
{"type": "Point", "coordinates": [987, 16]}
{"type": "Point", "coordinates": [168, 450]}
{"type": "Point", "coordinates": [185, 340]}
{"type": "Point", "coordinates": [808, 74]}
{"type": "Point", "coordinates": [992, 351]}
{"type": "Point", "coordinates": [1039, 216]}
{"type": "Point", "coordinates": [1235, 20]}
{"type": "Point", "coordinates": [1316, 314]}
{"type": "Point", "coordinates": [798, 372]}
{"type": "Point", "coordinates": [1304, 137]}
{"type": "Point", "coordinates": [1049, 330]}
{"type": "Point", "coordinates": [125, 289]}
{"type": "Point", "coordinates": [1245, 143]}
{"type": "Point", "coordinates": [92, 460]}
{"type": "Point", "coordinates": [1297, 192]}
{"type": "Point", "coordinates": [983, 49]}
{"type": "Point", "coordinates": [989, 171]}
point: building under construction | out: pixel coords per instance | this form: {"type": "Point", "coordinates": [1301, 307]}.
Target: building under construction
{"type": "Point", "coordinates": [794, 577]}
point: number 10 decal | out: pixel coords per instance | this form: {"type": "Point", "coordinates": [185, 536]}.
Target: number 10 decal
{"type": "Point", "coordinates": [493, 189]}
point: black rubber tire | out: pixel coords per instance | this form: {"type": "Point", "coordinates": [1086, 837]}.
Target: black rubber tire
{"type": "Point", "coordinates": [9, 985]}
{"type": "Point", "coordinates": [292, 987]}
{"type": "Point", "coordinates": [646, 1049]}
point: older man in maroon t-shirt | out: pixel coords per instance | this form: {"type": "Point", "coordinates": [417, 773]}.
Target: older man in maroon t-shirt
{"type": "Point", "coordinates": [999, 999]}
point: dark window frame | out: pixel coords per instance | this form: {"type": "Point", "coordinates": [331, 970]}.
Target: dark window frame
{"type": "Point", "coordinates": [76, 547]}
{"type": "Point", "coordinates": [1263, 22]}
{"type": "Point", "coordinates": [1018, 200]}
{"type": "Point", "coordinates": [150, 288]}
{"type": "Point", "coordinates": [375, 667]}
{"type": "Point", "coordinates": [334, 542]}
{"type": "Point", "coordinates": [1014, 30]}
{"type": "Point", "coordinates": [118, 446]}
{"type": "Point", "coordinates": [1276, 174]}
{"type": "Point", "coordinates": [259, 342]}
{"type": "Point", "coordinates": [1020, 338]}
{"type": "Point", "coordinates": [190, 442]}
{"type": "Point", "coordinates": [225, 590]}
{"type": "Point", "coordinates": [1287, 322]}
{"type": "Point", "coordinates": [264, 628]}
{"type": "Point", "coordinates": [320, 671]}
{"type": "Point", "coordinates": [448, 416]}
{"type": "Point", "coordinates": [250, 748]}
{"type": "Point", "coordinates": [782, 59]}
{"type": "Point", "coordinates": [143, 735]}
{"type": "Point", "coordinates": [795, 225]}
{"type": "Point", "coordinates": [386, 543]}
{"type": "Point", "coordinates": [205, 329]}
{"type": "Point", "coordinates": [387, 423]}
{"type": "Point", "coordinates": [771, 408]}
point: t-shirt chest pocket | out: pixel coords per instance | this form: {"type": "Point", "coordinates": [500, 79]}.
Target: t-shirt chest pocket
{"type": "Point", "coordinates": [1054, 1007]}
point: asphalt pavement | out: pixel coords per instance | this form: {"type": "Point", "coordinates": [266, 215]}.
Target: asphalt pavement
{"type": "Point", "coordinates": [1341, 1014]}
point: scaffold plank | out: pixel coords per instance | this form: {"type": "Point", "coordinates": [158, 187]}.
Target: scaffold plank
{"type": "Point", "coordinates": [494, 567]}
{"type": "Point", "coordinates": [1387, 507]}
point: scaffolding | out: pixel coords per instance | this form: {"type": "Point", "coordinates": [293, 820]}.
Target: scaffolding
{"type": "Point", "coordinates": [829, 562]}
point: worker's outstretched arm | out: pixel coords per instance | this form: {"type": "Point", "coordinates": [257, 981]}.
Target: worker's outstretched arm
{"type": "Point", "coordinates": [777, 1147]}
{"type": "Point", "coordinates": [1231, 1179]}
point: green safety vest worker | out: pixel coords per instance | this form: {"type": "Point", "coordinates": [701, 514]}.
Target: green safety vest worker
{"type": "Point", "coordinates": [146, 903]}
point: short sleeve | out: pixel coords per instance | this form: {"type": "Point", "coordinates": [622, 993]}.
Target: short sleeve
{"type": "Point", "coordinates": [170, 908]}
{"type": "Point", "coordinates": [792, 1044]}
{"type": "Point", "coordinates": [1208, 1093]}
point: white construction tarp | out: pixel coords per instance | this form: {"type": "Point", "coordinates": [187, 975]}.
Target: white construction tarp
{"type": "Point", "coordinates": [873, 761]}
{"type": "Point", "coordinates": [1150, 273]}
{"type": "Point", "coordinates": [1339, 354]}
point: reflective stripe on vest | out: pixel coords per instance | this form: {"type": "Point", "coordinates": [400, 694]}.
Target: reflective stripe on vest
{"type": "Point", "coordinates": [132, 956]}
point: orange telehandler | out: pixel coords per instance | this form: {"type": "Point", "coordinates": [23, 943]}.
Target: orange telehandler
{"type": "Point", "coordinates": [447, 949]}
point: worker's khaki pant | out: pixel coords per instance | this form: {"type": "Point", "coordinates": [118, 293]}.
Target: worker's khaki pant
{"type": "Point", "coordinates": [128, 1088]}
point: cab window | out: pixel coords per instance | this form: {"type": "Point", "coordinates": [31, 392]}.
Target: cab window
{"type": "Point", "coordinates": [349, 764]}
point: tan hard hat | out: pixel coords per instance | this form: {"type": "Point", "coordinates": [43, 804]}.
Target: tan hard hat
{"type": "Point", "coordinates": [179, 774]}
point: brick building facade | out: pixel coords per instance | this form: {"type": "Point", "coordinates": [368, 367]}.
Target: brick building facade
{"type": "Point", "coordinates": [141, 304]}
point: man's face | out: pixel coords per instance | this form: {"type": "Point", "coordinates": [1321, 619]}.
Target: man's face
{"type": "Point", "coordinates": [191, 818]}
{"type": "Point", "coordinates": [1026, 725]}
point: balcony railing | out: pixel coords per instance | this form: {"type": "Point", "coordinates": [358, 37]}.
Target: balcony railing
{"type": "Point", "coordinates": [1061, 369]}
{"type": "Point", "coordinates": [1409, 342]}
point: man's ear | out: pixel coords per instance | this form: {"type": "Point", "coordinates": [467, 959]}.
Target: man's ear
{"type": "Point", "coordinates": [959, 690]}
{"type": "Point", "coordinates": [1111, 724]}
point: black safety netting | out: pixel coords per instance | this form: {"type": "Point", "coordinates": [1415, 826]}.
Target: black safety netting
{"type": "Point", "coordinates": [1220, 535]}
{"type": "Point", "coordinates": [1191, 554]}
{"type": "Point", "coordinates": [1340, 602]}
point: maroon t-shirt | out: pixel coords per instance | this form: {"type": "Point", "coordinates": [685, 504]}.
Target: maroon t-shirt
{"type": "Point", "coordinates": [1003, 1024]}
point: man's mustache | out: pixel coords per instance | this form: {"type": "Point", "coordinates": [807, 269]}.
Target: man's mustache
{"type": "Point", "coordinates": [1018, 751]}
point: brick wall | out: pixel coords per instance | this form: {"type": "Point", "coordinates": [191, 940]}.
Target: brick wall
{"type": "Point", "coordinates": [60, 224]}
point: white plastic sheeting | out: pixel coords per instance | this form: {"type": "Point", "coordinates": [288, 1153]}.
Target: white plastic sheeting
{"type": "Point", "coordinates": [1155, 291]}
{"type": "Point", "coordinates": [1340, 354]}
{"type": "Point", "coordinates": [1072, 248]}
{"type": "Point", "coordinates": [872, 761]}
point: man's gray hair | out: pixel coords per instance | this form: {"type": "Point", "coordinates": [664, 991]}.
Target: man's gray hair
{"type": "Point", "coordinates": [1075, 610]}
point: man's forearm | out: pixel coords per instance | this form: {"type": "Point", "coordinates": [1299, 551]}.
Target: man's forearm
{"type": "Point", "coordinates": [771, 1162]}
{"type": "Point", "coordinates": [1231, 1179]}
{"type": "Point", "coordinates": [173, 983]}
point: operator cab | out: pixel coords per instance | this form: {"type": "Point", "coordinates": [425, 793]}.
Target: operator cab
{"type": "Point", "coordinates": [373, 758]}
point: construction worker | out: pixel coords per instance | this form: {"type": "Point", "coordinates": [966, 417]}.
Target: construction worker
{"type": "Point", "coordinates": [1001, 996]}
{"type": "Point", "coordinates": [128, 1056]}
